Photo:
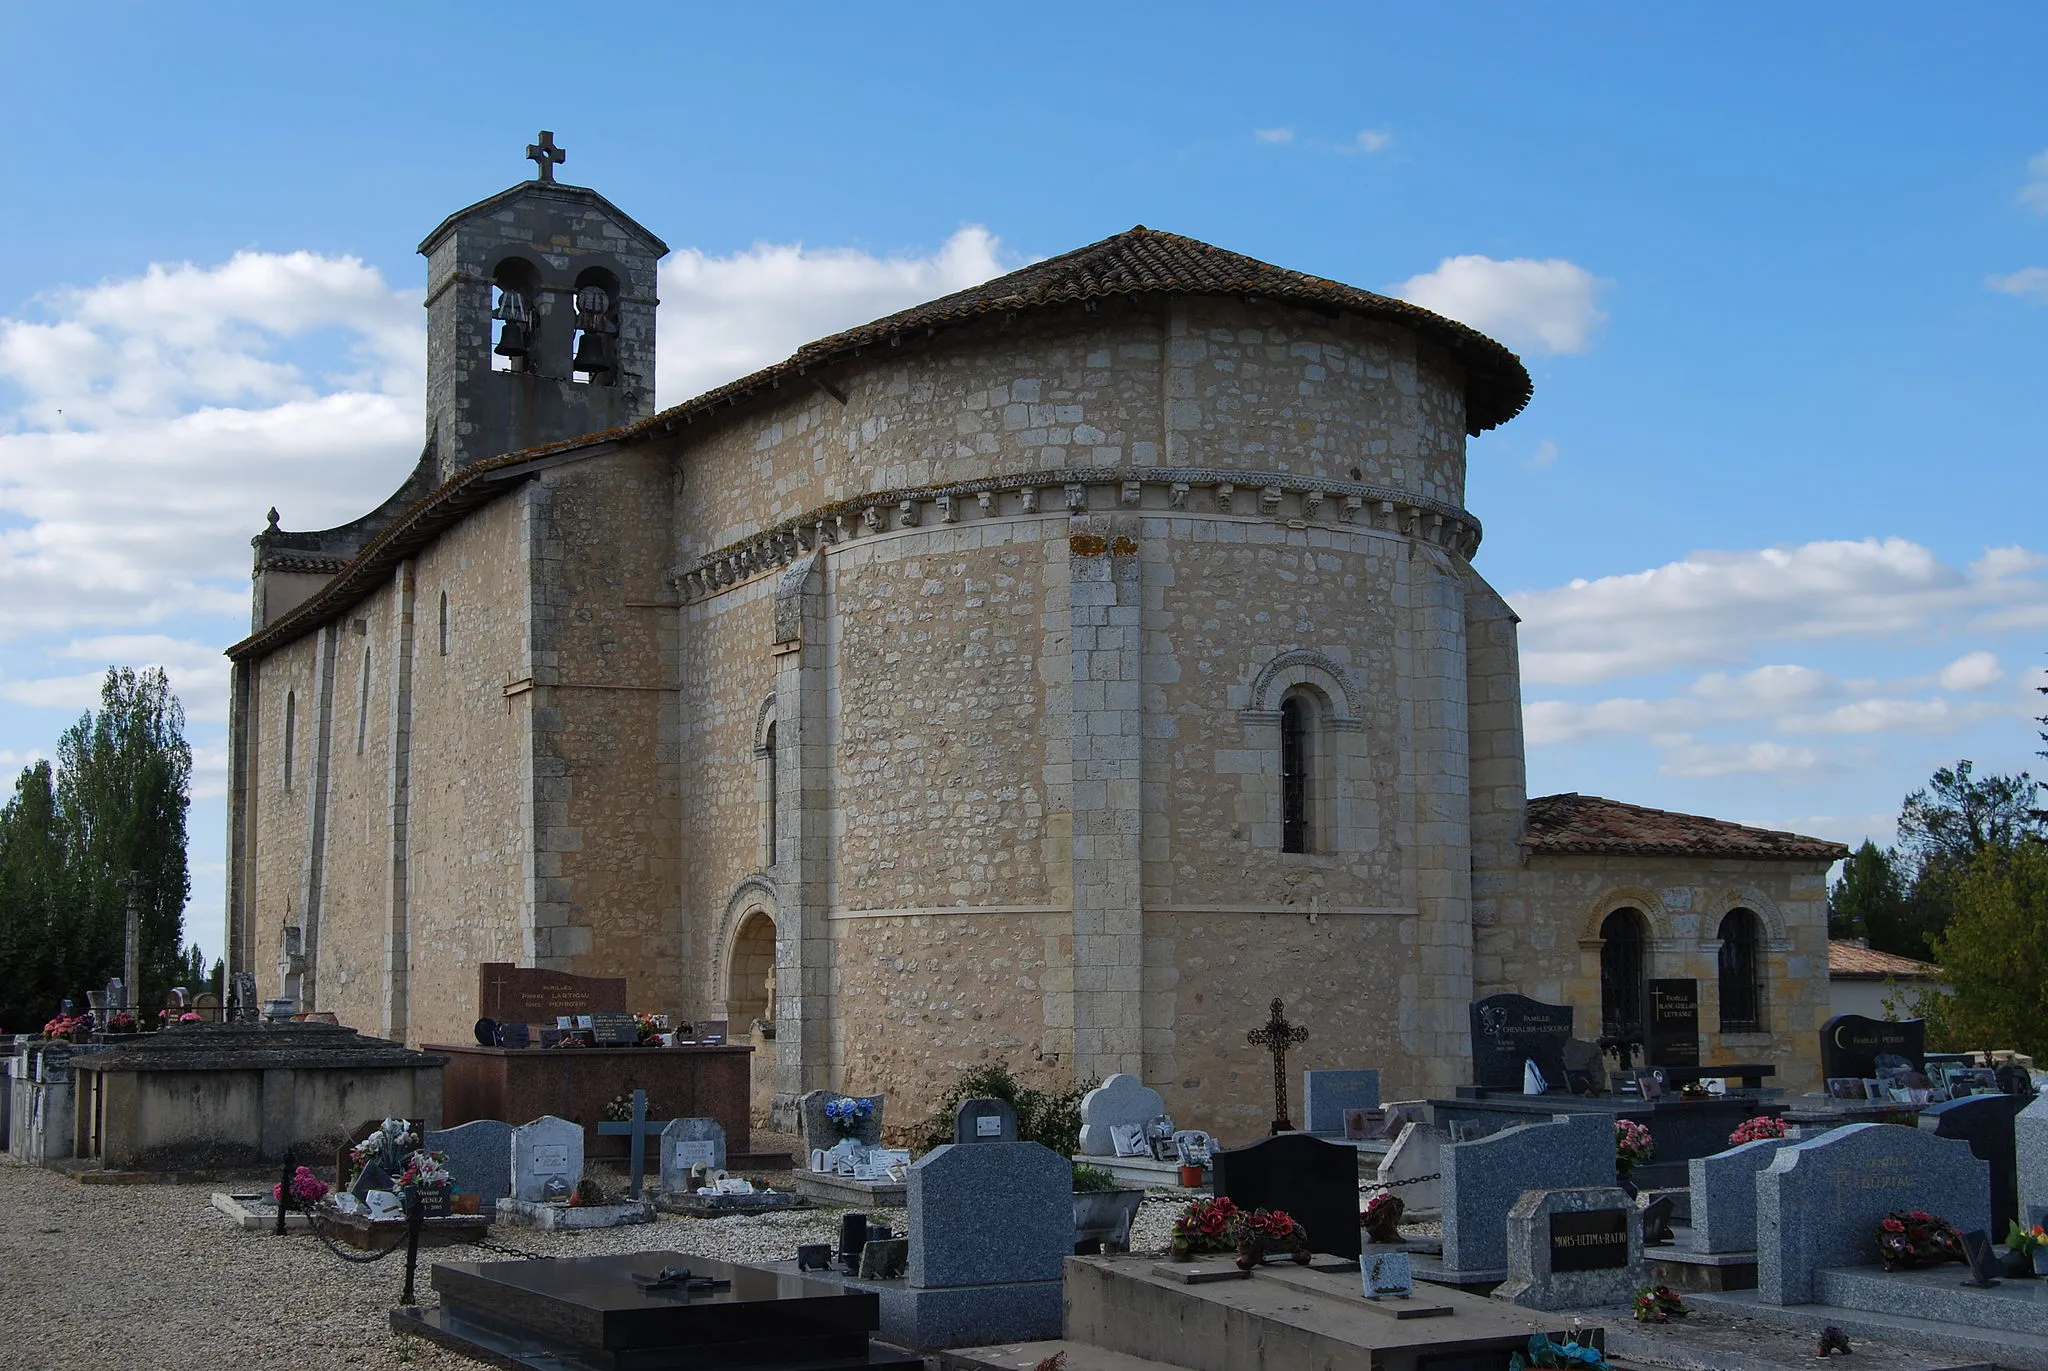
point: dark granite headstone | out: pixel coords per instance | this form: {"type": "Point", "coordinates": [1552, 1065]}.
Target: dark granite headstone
{"type": "Point", "coordinates": [614, 1028]}
{"type": "Point", "coordinates": [1983, 1261]}
{"type": "Point", "coordinates": [1657, 1220]}
{"type": "Point", "coordinates": [1851, 1044]}
{"type": "Point", "coordinates": [1987, 1123]}
{"type": "Point", "coordinates": [514, 1035]}
{"type": "Point", "coordinates": [1314, 1180]}
{"type": "Point", "coordinates": [519, 994]}
{"type": "Point", "coordinates": [1510, 1029]}
{"type": "Point", "coordinates": [1673, 1036]}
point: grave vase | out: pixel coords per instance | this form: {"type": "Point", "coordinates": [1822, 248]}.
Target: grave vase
{"type": "Point", "coordinates": [1191, 1176]}
{"type": "Point", "coordinates": [2041, 1261]}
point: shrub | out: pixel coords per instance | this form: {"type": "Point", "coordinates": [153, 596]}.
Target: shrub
{"type": "Point", "coordinates": [1051, 1117]}
{"type": "Point", "coordinates": [1092, 1180]}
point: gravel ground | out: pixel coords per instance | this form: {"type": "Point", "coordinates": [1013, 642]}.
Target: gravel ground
{"type": "Point", "coordinates": [153, 1275]}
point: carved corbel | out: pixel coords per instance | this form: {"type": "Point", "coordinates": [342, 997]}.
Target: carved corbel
{"type": "Point", "coordinates": [1352, 504]}
{"type": "Point", "coordinates": [1130, 492]}
{"type": "Point", "coordinates": [871, 518]}
{"type": "Point", "coordinates": [947, 514]}
{"type": "Point", "coordinates": [1177, 495]}
{"type": "Point", "coordinates": [1077, 497]}
{"type": "Point", "coordinates": [1269, 500]}
{"type": "Point", "coordinates": [1029, 495]}
{"type": "Point", "coordinates": [985, 502]}
{"type": "Point", "coordinates": [906, 514]}
{"type": "Point", "coordinates": [1225, 493]}
{"type": "Point", "coordinates": [1311, 504]}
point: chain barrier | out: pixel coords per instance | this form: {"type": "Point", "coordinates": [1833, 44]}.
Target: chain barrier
{"type": "Point", "coordinates": [502, 1250]}
{"type": "Point", "coordinates": [1391, 1185]}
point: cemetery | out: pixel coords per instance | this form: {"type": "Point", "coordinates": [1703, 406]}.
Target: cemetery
{"type": "Point", "coordinates": [1545, 1201]}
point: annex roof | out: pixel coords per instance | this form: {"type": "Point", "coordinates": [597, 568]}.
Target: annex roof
{"type": "Point", "coordinates": [1577, 823]}
{"type": "Point", "coordinates": [1855, 961]}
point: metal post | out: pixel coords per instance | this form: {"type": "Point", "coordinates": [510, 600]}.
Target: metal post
{"type": "Point", "coordinates": [284, 1195]}
{"type": "Point", "coordinates": [413, 1216]}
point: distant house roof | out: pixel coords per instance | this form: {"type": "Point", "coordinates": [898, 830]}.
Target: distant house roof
{"type": "Point", "coordinates": [1854, 961]}
{"type": "Point", "coordinates": [1589, 824]}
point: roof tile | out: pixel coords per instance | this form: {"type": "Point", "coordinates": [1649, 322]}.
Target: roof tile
{"type": "Point", "coordinates": [1587, 823]}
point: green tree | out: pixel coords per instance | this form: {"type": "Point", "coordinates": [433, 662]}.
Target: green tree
{"type": "Point", "coordinates": [1943, 828]}
{"type": "Point", "coordinates": [1994, 954]}
{"type": "Point", "coordinates": [33, 901]}
{"type": "Point", "coordinates": [1870, 901]}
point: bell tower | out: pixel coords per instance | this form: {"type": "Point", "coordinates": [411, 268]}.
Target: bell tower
{"type": "Point", "coordinates": [540, 319]}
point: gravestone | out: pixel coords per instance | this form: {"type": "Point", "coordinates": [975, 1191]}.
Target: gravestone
{"type": "Point", "coordinates": [1413, 1167]}
{"type": "Point", "coordinates": [548, 1149]}
{"type": "Point", "coordinates": [2030, 1140]}
{"type": "Point", "coordinates": [1819, 1202]}
{"type": "Point", "coordinates": [615, 1028]}
{"type": "Point", "coordinates": [1313, 1179]}
{"type": "Point", "coordinates": [247, 1006]}
{"type": "Point", "coordinates": [686, 1143]}
{"type": "Point", "coordinates": [977, 1121]}
{"type": "Point", "coordinates": [821, 1132]}
{"type": "Point", "coordinates": [208, 1007]}
{"type": "Point", "coordinates": [1326, 1095]}
{"type": "Point", "coordinates": [989, 1214]}
{"type": "Point", "coordinates": [1483, 1179]}
{"type": "Point", "coordinates": [1573, 1249]}
{"type": "Point", "coordinates": [479, 1157]}
{"type": "Point", "coordinates": [1121, 1101]}
{"type": "Point", "coordinates": [1672, 1037]}
{"type": "Point", "coordinates": [1851, 1044]}
{"type": "Point", "coordinates": [1988, 1124]}
{"type": "Point", "coordinates": [1724, 1195]}
{"type": "Point", "coordinates": [1508, 1030]}
{"type": "Point", "coordinates": [1583, 1067]}
{"type": "Point", "coordinates": [523, 994]}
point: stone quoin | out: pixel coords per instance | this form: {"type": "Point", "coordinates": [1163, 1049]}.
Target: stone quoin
{"type": "Point", "coordinates": [1054, 672]}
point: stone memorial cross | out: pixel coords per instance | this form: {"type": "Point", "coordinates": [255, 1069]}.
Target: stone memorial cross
{"type": "Point", "coordinates": [639, 1128]}
{"type": "Point", "coordinates": [1276, 1037]}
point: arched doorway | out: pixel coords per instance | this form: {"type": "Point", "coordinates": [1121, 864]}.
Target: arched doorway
{"type": "Point", "coordinates": [750, 975]}
{"type": "Point", "coordinates": [1622, 975]}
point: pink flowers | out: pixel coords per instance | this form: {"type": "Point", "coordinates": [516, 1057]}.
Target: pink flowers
{"type": "Point", "coordinates": [307, 1188]}
{"type": "Point", "coordinates": [1632, 1144]}
{"type": "Point", "coordinates": [1756, 1130]}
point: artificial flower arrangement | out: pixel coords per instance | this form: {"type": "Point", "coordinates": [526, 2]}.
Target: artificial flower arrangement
{"type": "Point", "coordinates": [427, 1171]}
{"type": "Point", "coordinates": [1756, 1130]}
{"type": "Point", "coordinates": [2028, 1250]}
{"type": "Point", "coordinates": [1381, 1217]}
{"type": "Point", "coordinates": [120, 1021]}
{"type": "Point", "coordinates": [66, 1026]}
{"type": "Point", "coordinates": [307, 1188]}
{"type": "Point", "coordinates": [849, 1114]}
{"type": "Point", "coordinates": [1218, 1225]}
{"type": "Point", "coordinates": [391, 1140]}
{"type": "Point", "coordinates": [588, 1192]}
{"type": "Point", "coordinates": [1557, 1356]}
{"type": "Point", "coordinates": [569, 1040]}
{"type": "Point", "coordinates": [1633, 1145]}
{"type": "Point", "coordinates": [1908, 1238]}
{"type": "Point", "coordinates": [620, 1110]}
{"type": "Point", "coordinates": [648, 1027]}
{"type": "Point", "coordinates": [1270, 1232]}
{"type": "Point", "coordinates": [1659, 1304]}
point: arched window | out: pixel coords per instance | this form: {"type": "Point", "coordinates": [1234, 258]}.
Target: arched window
{"type": "Point", "coordinates": [291, 731]}
{"type": "Point", "coordinates": [444, 623]}
{"type": "Point", "coordinates": [1741, 972]}
{"type": "Point", "coordinates": [594, 356]}
{"type": "Point", "coordinates": [1622, 988]}
{"type": "Point", "coordinates": [515, 294]}
{"type": "Point", "coordinates": [768, 801]}
{"type": "Point", "coordinates": [1297, 767]}
{"type": "Point", "coordinates": [363, 705]}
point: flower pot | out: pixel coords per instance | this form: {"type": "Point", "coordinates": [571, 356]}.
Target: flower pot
{"type": "Point", "coordinates": [1102, 1219]}
{"type": "Point", "coordinates": [1191, 1176]}
{"type": "Point", "coordinates": [2041, 1261]}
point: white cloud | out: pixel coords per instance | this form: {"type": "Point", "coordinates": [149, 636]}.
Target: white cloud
{"type": "Point", "coordinates": [2035, 192]}
{"type": "Point", "coordinates": [2027, 283]}
{"type": "Point", "coordinates": [1714, 607]}
{"type": "Point", "coordinates": [1741, 759]}
{"type": "Point", "coordinates": [1279, 135]}
{"type": "Point", "coordinates": [724, 317]}
{"type": "Point", "coordinates": [1371, 140]}
{"type": "Point", "coordinates": [1971, 671]}
{"type": "Point", "coordinates": [1547, 306]}
{"type": "Point", "coordinates": [1545, 455]}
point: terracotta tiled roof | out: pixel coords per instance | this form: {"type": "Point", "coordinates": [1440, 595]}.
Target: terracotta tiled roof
{"type": "Point", "coordinates": [1849, 961]}
{"type": "Point", "coordinates": [1588, 823]}
{"type": "Point", "coordinates": [1146, 261]}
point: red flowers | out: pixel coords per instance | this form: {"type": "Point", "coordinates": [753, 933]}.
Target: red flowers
{"type": "Point", "coordinates": [1913, 1237]}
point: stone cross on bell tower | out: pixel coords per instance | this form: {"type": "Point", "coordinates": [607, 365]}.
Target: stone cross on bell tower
{"type": "Point", "coordinates": [546, 155]}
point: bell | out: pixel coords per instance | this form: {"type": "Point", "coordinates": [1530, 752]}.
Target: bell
{"type": "Point", "coordinates": [512, 340]}
{"type": "Point", "coordinates": [593, 357]}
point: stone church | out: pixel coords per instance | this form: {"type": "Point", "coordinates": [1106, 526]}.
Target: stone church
{"type": "Point", "coordinates": [1052, 673]}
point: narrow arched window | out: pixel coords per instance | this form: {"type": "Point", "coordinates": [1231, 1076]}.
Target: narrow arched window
{"type": "Point", "coordinates": [1741, 972]}
{"type": "Point", "coordinates": [363, 705]}
{"type": "Point", "coordinates": [444, 623]}
{"type": "Point", "coordinates": [768, 796]}
{"type": "Point", "coordinates": [291, 732]}
{"type": "Point", "coordinates": [1622, 988]}
{"type": "Point", "coordinates": [1297, 764]}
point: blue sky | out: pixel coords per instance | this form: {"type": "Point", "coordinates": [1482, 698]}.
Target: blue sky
{"type": "Point", "coordinates": [1774, 519]}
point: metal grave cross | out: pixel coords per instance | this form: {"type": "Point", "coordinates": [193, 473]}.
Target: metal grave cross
{"type": "Point", "coordinates": [546, 155]}
{"type": "Point", "coordinates": [1276, 1037]}
{"type": "Point", "coordinates": [640, 1128]}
